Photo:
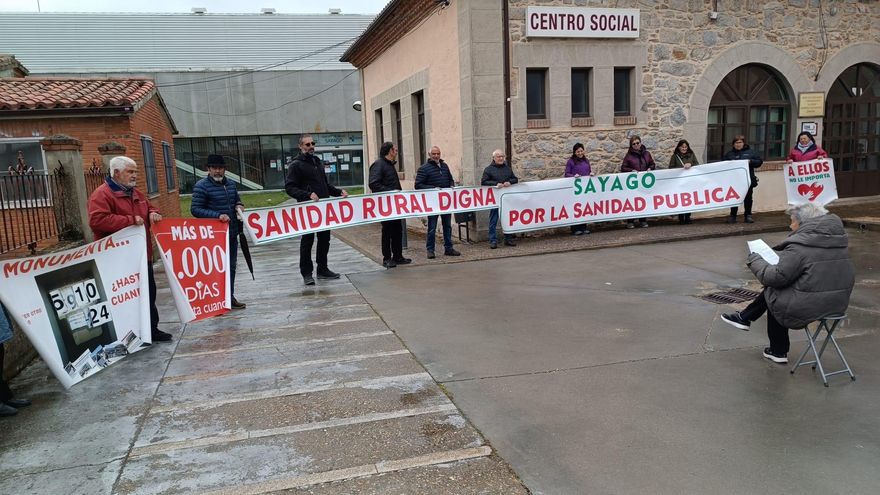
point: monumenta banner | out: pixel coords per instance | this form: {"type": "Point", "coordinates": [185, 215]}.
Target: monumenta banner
{"type": "Point", "coordinates": [195, 256]}
{"type": "Point", "coordinates": [524, 206]}
{"type": "Point", "coordinates": [84, 308]}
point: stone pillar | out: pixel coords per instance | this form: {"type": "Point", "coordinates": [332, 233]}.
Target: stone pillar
{"type": "Point", "coordinates": [63, 152]}
{"type": "Point", "coordinates": [109, 150]}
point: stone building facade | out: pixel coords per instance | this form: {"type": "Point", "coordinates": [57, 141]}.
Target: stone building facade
{"type": "Point", "coordinates": [700, 70]}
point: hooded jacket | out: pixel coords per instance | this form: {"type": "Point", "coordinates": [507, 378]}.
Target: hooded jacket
{"type": "Point", "coordinates": [814, 276]}
{"type": "Point", "coordinates": [434, 174]}
{"type": "Point", "coordinates": [306, 176]}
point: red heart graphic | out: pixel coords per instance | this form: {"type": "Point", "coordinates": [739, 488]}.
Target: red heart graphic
{"type": "Point", "coordinates": [811, 191]}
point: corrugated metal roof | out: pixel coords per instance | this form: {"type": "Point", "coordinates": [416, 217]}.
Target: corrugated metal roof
{"type": "Point", "coordinates": [52, 42]}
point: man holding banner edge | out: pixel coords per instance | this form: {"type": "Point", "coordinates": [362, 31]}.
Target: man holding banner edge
{"type": "Point", "coordinates": [216, 197]}
{"type": "Point", "coordinates": [306, 181]}
{"type": "Point", "coordinates": [115, 205]}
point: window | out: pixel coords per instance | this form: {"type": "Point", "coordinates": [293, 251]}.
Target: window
{"type": "Point", "coordinates": [419, 105]}
{"type": "Point", "coordinates": [380, 129]}
{"type": "Point", "coordinates": [580, 93]}
{"type": "Point", "coordinates": [622, 91]}
{"type": "Point", "coordinates": [398, 133]}
{"type": "Point", "coordinates": [150, 165]}
{"type": "Point", "coordinates": [170, 172]}
{"type": "Point", "coordinates": [536, 93]}
{"type": "Point", "coordinates": [751, 101]}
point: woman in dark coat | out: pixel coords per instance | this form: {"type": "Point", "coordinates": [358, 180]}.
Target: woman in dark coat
{"type": "Point", "coordinates": [683, 157]}
{"type": "Point", "coordinates": [637, 159]}
{"type": "Point", "coordinates": [578, 166]}
{"type": "Point", "coordinates": [741, 151]}
{"type": "Point", "coordinates": [813, 278]}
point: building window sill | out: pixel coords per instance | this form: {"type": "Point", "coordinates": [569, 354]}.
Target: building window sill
{"type": "Point", "coordinates": [582, 122]}
{"type": "Point", "coordinates": [625, 120]}
{"type": "Point", "coordinates": [538, 123]}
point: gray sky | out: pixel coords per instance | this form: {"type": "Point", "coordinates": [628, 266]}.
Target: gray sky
{"type": "Point", "coordinates": [213, 6]}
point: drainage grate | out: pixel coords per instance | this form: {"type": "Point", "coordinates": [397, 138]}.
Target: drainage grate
{"type": "Point", "coordinates": [731, 296]}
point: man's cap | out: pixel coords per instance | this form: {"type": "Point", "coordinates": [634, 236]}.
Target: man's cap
{"type": "Point", "coordinates": [216, 161]}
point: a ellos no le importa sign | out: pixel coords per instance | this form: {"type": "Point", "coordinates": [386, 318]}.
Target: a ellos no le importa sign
{"type": "Point", "coordinates": [575, 22]}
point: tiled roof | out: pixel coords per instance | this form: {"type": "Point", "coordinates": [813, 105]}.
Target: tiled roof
{"type": "Point", "coordinates": [67, 93]}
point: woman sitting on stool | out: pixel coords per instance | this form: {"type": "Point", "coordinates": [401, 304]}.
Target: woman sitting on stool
{"type": "Point", "coordinates": [813, 278]}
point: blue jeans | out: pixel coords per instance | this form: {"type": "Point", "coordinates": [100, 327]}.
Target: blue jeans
{"type": "Point", "coordinates": [493, 223]}
{"type": "Point", "coordinates": [447, 232]}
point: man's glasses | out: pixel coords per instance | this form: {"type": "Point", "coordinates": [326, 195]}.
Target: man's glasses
{"type": "Point", "coordinates": [309, 144]}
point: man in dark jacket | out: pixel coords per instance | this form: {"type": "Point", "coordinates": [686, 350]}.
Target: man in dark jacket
{"type": "Point", "coordinates": [383, 177]}
{"type": "Point", "coordinates": [813, 278]}
{"type": "Point", "coordinates": [306, 181]}
{"type": "Point", "coordinates": [117, 204]}
{"type": "Point", "coordinates": [215, 196]}
{"type": "Point", "coordinates": [741, 151]}
{"type": "Point", "coordinates": [433, 174]}
{"type": "Point", "coordinates": [498, 174]}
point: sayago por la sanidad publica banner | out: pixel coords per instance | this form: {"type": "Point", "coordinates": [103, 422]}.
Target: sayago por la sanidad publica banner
{"type": "Point", "coordinates": [195, 253]}
{"type": "Point", "coordinates": [578, 200]}
{"type": "Point", "coordinates": [524, 206]}
{"type": "Point", "coordinates": [810, 182]}
{"type": "Point", "coordinates": [84, 308]}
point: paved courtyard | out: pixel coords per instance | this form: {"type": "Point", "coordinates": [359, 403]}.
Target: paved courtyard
{"type": "Point", "coordinates": [596, 371]}
{"type": "Point", "coordinates": [603, 372]}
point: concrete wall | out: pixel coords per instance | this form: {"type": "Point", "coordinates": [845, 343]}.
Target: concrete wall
{"type": "Point", "coordinates": [426, 59]}
{"type": "Point", "coordinates": [269, 102]}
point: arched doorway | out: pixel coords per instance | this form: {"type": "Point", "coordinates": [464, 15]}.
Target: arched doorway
{"type": "Point", "coordinates": [851, 133]}
{"type": "Point", "coordinates": [751, 100]}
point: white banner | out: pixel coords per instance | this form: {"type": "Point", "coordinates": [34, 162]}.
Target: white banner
{"type": "Point", "coordinates": [559, 202]}
{"type": "Point", "coordinates": [271, 224]}
{"type": "Point", "coordinates": [85, 308]}
{"type": "Point", "coordinates": [811, 181]}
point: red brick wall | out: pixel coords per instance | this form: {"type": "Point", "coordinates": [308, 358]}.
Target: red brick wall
{"type": "Point", "coordinates": [149, 120]}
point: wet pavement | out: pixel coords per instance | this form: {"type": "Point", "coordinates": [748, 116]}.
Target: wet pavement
{"type": "Point", "coordinates": [305, 391]}
{"type": "Point", "coordinates": [603, 371]}
{"type": "Point", "coordinates": [592, 369]}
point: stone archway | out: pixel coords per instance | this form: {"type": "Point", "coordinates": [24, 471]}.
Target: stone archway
{"type": "Point", "coordinates": [748, 52]}
{"type": "Point", "coordinates": [847, 57]}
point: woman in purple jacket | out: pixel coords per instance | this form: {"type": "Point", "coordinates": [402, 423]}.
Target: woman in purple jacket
{"type": "Point", "coordinates": [637, 159]}
{"type": "Point", "coordinates": [578, 166]}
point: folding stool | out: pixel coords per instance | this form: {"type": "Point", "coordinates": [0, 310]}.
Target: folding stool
{"type": "Point", "coordinates": [811, 341]}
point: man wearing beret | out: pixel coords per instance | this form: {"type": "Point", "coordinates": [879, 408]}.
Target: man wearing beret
{"type": "Point", "coordinates": [215, 196]}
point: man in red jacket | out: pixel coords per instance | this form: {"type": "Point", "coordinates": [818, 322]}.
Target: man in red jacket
{"type": "Point", "coordinates": [115, 205]}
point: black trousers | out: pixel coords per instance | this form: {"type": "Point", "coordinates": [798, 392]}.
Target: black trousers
{"type": "Point", "coordinates": [392, 240]}
{"type": "Point", "coordinates": [305, 252]}
{"type": "Point", "coordinates": [154, 311]}
{"type": "Point", "coordinates": [777, 333]}
{"type": "Point", "coordinates": [747, 204]}
{"type": "Point", "coordinates": [5, 393]}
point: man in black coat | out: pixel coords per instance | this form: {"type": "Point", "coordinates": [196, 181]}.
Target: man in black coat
{"type": "Point", "coordinates": [433, 174]}
{"type": "Point", "coordinates": [306, 181]}
{"type": "Point", "coordinates": [383, 177]}
{"type": "Point", "coordinates": [498, 174]}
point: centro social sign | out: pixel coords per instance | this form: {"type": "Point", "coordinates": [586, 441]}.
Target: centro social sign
{"type": "Point", "coordinates": [574, 22]}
